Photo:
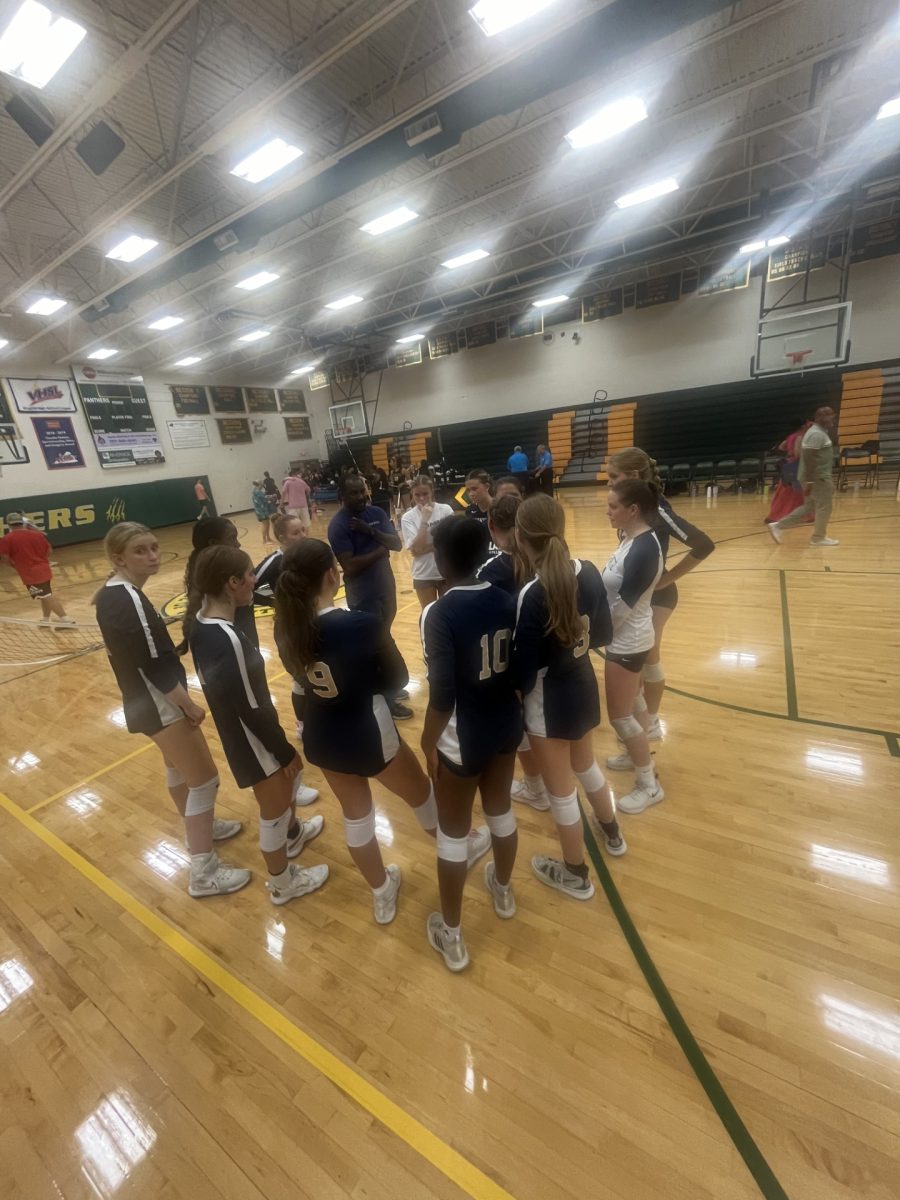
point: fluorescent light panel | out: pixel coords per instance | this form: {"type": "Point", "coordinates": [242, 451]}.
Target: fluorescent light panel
{"type": "Point", "coordinates": [36, 43]}
{"type": "Point", "coordinates": [307, 370]}
{"type": "Point", "coordinates": [254, 335]}
{"type": "Point", "coordinates": [265, 161]}
{"type": "Point", "coordinates": [493, 16]}
{"type": "Point", "coordinates": [103, 352]}
{"type": "Point", "coordinates": [611, 119]}
{"type": "Point", "coordinates": [344, 302]}
{"type": "Point", "coordinates": [166, 323]}
{"type": "Point", "coordinates": [4, 342]}
{"type": "Point", "coordinates": [891, 108]}
{"type": "Point", "coordinates": [463, 260]}
{"type": "Point", "coordinates": [547, 301]}
{"type": "Point", "coordinates": [46, 306]}
{"type": "Point", "coordinates": [260, 279]}
{"type": "Point", "coordinates": [653, 190]}
{"type": "Point", "coordinates": [131, 248]}
{"type": "Point", "coordinates": [189, 361]}
{"type": "Point", "coordinates": [780, 240]}
{"type": "Point", "coordinates": [410, 337]}
{"type": "Point", "coordinates": [392, 220]}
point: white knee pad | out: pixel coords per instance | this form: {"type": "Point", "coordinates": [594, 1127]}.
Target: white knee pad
{"type": "Point", "coordinates": [273, 833]}
{"type": "Point", "coordinates": [174, 777]}
{"type": "Point", "coordinates": [524, 744]}
{"type": "Point", "coordinates": [503, 825]}
{"type": "Point", "coordinates": [451, 849]}
{"type": "Point", "coordinates": [426, 814]}
{"type": "Point", "coordinates": [640, 704]}
{"type": "Point", "coordinates": [565, 809]}
{"type": "Point", "coordinates": [653, 673]}
{"type": "Point", "coordinates": [201, 799]}
{"type": "Point", "coordinates": [627, 727]}
{"type": "Point", "coordinates": [593, 779]}
{"type": "Point", "coordinates": [359, 831]}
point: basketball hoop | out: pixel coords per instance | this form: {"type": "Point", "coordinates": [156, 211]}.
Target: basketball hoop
{"type": "Point", "coordinates": [796, 357]}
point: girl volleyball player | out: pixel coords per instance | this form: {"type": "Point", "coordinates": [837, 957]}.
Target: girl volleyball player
{"type": "Point", "coordinates": [345, 665]}
{"type": "Point", "coordinates": [562, 614]}
{"type": "Point", "coordinates": [232, 673]}
{"type": "Point", "coordinates": [472, 726]}
{"type": "Point", "coordinates": [288, 529]}
{"type": "Point", "coordinates": [216, 531]}
{"type": "Point", "coordinates": [156, 702]}
{"type": "Point", "coordinates": [629, 577]}
{"type": "Point", "coordinates": [416, 527]}
{"type": "Point", "coordinates": [633, 463]}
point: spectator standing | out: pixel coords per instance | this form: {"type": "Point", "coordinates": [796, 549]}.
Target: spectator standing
{"type": "Point", "coordinates": [260, 502]}
{"type": "Point", "coordinates": [380, 490]}
{"type": "Point", "coordinates": [295, 492]}
{"type": "Point", "coordinates": [517, 465]}
{"type": "Point", "coordinates": [271, 490]}
{"type": "Point", "coordinates": [362, 539]}
{"type": "Point", "coordinates": [29, 552]}
{"type": "Point", "coordinates": [202, 499]}
{"type": "Point", "coordinates": [543, 472]}
{"type": "Point", "coordinates": [815, 472]}
{"type": "Point", "coordinates": [415, 528]}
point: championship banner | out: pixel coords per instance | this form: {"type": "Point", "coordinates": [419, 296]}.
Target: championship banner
{"type": "Point", "coordinates": [87, 514]}
{"type": "Point", "coordinates": [58, 442]}
{"type": "Point", "coordinates": [42, 395]}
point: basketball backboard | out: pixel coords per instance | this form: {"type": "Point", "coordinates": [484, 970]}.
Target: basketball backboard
{"type": "Point", "coordinates": [802, 338]}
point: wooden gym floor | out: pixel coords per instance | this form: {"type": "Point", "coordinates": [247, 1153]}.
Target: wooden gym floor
{"type": "Point", "coordinates": [721, 1022]}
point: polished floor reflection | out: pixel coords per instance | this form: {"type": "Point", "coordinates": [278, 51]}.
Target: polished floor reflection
{"type": "Point", "coordinates": [154, 1045]}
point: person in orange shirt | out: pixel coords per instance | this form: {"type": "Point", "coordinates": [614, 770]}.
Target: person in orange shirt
{"type": "Point", "coordinates": [29, 552]}
{"type": "Point", "coordinates": [202, 499]}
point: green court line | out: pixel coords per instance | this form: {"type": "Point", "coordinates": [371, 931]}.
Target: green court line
{"type": "Point", "coordinates": [740, 1135]}
{"type": "Point", "coordinates": [789, 678]}
{"type": "Point", "coordinates": [893, 744]}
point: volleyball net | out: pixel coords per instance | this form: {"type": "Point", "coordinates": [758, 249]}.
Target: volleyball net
{"type": "Point", "coordinates": [27, 644]}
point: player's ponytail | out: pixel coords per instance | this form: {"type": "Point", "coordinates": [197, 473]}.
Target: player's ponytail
{"type": "Point", "coordinates": [116, 543]}
{"type": "Point", "coordinates": [541, 523]}
{"type": "Point", "coordinates": [211, 531]}
{"type": "Point", "coordinates": [304, 567]}
{"type": "Point", "coordinates": [637, 463]}
{"type": "Point", "coordinates": [503, 520]}
{"type": "Point", "coordinates": [213, 567]}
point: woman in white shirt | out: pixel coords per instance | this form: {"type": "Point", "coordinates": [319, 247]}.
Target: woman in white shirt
{"type": "Point", "coordinates": [415, 529]}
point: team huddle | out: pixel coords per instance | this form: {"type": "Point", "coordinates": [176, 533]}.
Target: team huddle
{"type": "Point", "coordinates": [506, 641]}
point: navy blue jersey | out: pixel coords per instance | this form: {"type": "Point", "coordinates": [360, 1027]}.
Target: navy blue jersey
{"type": "Point", "coordinates": [267, 577]}
{"type": "Point", "coordinates": [467, 639]}
{"type": "Point", "coordinates": [667, 525]}
{"type": "Point", "coordinates": [232, 673]}
{"type": "Point", "coordinates": [367, 589]}
{"type": "Point", "coordinates": [500, 571]}
{"type": "Point", "coordinates": [347, 724]}
{"type": "Point", "coordinates": [558, 682]}
{"type": "Point", "coordinates": [142, 656]}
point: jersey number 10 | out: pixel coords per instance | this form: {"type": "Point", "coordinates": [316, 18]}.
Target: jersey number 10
{"type": "Point", "coordinates": [502, 640]}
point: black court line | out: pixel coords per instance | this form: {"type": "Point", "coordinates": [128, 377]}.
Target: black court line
{"type": "Point", "coordinates": [737, 537]}
{"type": "Point", "coordinates": [789, 677]}
{"type": "Point", "coordinates": [725, 1110]}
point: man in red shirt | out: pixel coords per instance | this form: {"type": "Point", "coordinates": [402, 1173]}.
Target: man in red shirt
{"type": "Point", "coordinates": [29, 552]}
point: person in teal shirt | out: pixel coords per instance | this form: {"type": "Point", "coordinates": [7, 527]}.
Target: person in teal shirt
{"type": "Point", "coordinates": [263, 510]}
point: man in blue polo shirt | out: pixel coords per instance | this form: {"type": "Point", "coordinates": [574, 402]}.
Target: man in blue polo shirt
{"type": "Point", "coordinates": [517, 463]}
{"type": "Point", "coordinates": [362, 538]}
{"type": "Point", "coordinates": [543, 473]}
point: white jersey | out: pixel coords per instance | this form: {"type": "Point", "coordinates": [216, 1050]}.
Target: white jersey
{"type": "Point", "coordinates": [629, 578]}
{"type": "Point", "coordinates": [424, 566]}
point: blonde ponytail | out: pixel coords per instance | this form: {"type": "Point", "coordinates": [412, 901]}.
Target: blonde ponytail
{"type": "Point", "coordinates": [638, 462]}
{"type": "Point", "coordinates": [541, 522]}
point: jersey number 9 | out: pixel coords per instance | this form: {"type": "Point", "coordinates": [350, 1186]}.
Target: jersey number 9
{"type": "Point", "coordinates": [502, 640]}
{"type": "Point", "coordinates": [322, 680]}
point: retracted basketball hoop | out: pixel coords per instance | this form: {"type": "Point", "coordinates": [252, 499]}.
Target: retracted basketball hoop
{"type": "Point", "coordinates": [795, 357]}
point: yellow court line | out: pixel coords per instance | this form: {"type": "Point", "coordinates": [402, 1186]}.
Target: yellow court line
{"type": "Point", "coordinates": [96, 775]}
{"type": "Point", "coordinates": [448, 1161]}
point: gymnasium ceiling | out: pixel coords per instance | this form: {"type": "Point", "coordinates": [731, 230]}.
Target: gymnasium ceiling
{"type": "Point", "coordinates": [763, 109]}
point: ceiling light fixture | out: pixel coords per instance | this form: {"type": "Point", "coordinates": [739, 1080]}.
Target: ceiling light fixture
{"type": "Point", "coordinates": [265, 161]}
{"type": "Point", "coordinates": [166, 323]}
{"type": "Point", "coordinates": [891, 108]}
{"type": "Point", "coordinates": [35, 44]}
{"type": "Point", "coordinates": [780, 239]}
{"type": "Point", "coordinates": [463, 260]}
{"type": "Point", "coordinates": [653, 190]}
{"type": "Point", "coordinates": [493, 16]}
{"type": "Point", "coordinates": [307, 370]}
{"type": "Point", "coordinates": [392, 220]}
{"type": "Point", "coordinates": [254, 335]}
{"type": "Point", "coordinates": [344, 302]}
{"type": "Point", "coordinates": [4, 342]}
{"type": "Point", "coordinates": [46, 306]}
{"type": "Point", "coordinates": [131, 248]}
{"type": "Point", "coordinates": [752, 247]}
{"type": "Point", "coordinates": [410, 337]}
{"type": "Point", "coordinates": [260, 279]}
{"type": "Point", "coordinates": [103, 352]}
{"type": "Point", "coordinates": [547, 301]}
{"type": "Point", "coordinates": [189, 361]}
{"type": "Point", "coordinates": [611, 119]}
